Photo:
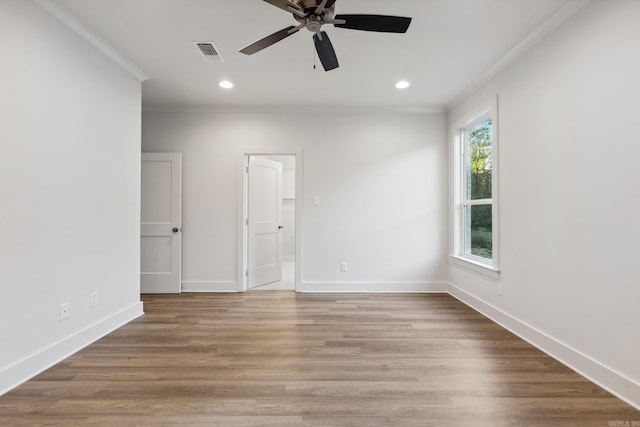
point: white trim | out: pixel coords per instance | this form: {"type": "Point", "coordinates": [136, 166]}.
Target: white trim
{"type": "Point", "coordinates": [80, 29]}
{"type": "Point", "coordinates": [374, 287]}
{"type": "Point", "coordinates": [27, 368]}
{"type": "Point", "coordinates": [552, 23]}
{"type": "Point", "coordinates": [495, 185]}
{"type": "Point", "coordinates": [288, 258]}
{"type": "Point", "coordinates": [614, 382]}
{"type": "Point", "coordinates": [485, 111]}
{"type": "Point", "coordinates": [478, 202]}
{"type": "Point", "coordinates": [242, 194]}
{"type": "Point", "coordinates": [476, 115]}
{"type": "Point", "coordinates": [343, 109]}
{"type": "Point", "coordinates": [299, 219]}
{"type": "Point", "coordinates": [477, 266]}
{"type": "Point", "coordinates": [208, 286]}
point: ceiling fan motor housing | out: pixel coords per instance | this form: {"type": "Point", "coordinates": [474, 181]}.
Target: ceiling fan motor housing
{"type": "Point", "coordinates": [313, 23]}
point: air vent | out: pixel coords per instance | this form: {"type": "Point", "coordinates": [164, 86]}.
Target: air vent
{"type": "Point", "coordinates": [208, 51]}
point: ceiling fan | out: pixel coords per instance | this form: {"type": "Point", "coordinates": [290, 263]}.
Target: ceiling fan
{"type": "Point", "coordinates": [313, 14]}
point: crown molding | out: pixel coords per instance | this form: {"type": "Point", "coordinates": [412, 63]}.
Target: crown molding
{"type": "Point", "coordinates": [76, 26]}
{"type": "Point", "coordinates": [346, 109]}
{"type": "Point", "coordinates": [547, 27]}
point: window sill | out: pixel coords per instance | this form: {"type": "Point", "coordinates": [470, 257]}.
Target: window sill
{"type": "Point", "coordinates": [475, 266]}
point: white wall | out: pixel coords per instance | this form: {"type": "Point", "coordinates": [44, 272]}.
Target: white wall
{"type": "Point", "coordinates": [69, 191]}
{"type": "Point", "coordinates": [569, 197]}
{"type": "Point", "coordinates": [381, 179]}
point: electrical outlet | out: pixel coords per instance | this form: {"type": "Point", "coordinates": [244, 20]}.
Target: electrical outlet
{"type": "Point", "coordinates": [316, 201]}
{"type": "Point", "coordinates": [94, 299]}
{"type": "Point", "coordinates": [64, 311]}
{"type": "Point", "coordinates": [344, 267]}
{"type": "Point", "coordinates": [500, 288]}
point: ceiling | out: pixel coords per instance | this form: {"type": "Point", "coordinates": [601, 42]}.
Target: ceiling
{"type": "Point", "coordinates": [450, 45]}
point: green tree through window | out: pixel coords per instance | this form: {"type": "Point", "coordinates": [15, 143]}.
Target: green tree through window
{"type": "Point", "coordinates": [478, 198]}
{"type": "Point", "coordinates": [480, 167]}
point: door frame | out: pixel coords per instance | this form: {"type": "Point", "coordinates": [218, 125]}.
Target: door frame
{"type": "Point", "coordinates": [243, 203]}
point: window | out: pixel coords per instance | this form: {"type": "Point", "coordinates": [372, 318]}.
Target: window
{"type": "Point", "coordinates": [475, 231]}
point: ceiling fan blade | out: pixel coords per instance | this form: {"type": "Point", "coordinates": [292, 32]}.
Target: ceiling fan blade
{"type": "Point", "coordinates": [325, 50]}
{"type": "Point", "coordinates": [269, 40]}
{"type": "Point", "coordinates": [378, 23]}
{"type": "Point", "coordinates": [288, 6]}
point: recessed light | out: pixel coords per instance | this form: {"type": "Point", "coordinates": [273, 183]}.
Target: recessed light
{"type": "Point", "coordinates": [226, 84]}
{"type": "Point", "coordinates": [402, 84]}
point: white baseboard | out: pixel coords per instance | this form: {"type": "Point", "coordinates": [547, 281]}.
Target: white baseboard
{"type": "Point", "coordinates": [202, 286]}
{"type": "Point", "coordinates": [617, 384]}
{"type": "Point", "coordinates": [30, 366]}
{"type": "Point", "coordinates": [374, 287]}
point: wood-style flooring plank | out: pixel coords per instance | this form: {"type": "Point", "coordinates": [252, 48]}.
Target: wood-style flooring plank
{"type": "Point", "coordinates": [283, 359]}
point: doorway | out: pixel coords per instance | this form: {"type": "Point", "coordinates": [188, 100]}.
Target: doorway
{"type": "Point", "coordinates": [270, 219]}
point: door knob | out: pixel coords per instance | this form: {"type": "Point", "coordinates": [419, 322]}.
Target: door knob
{"type": "Point", "coordinates": [175, 229]}
{"type": "Point", "coordinates": [280, 227]}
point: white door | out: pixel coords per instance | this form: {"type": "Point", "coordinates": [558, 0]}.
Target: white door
{"type": "Point", "coordinates": [160, 224]}
{"type": "Point", "coordinates": [265, 222]}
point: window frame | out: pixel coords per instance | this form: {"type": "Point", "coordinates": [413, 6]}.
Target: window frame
{"type": "Point", "coordinates": [461, 200]}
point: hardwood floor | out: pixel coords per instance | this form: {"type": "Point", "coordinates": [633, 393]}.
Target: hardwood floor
{"type": "Point", "coordinates": [286, 359]}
